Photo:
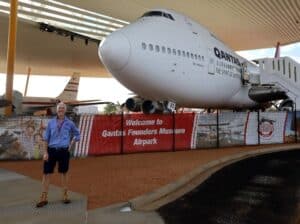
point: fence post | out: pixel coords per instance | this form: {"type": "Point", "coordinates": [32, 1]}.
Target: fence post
{"type": "Point", "coordinates": [173, 139]}
{"type": "Point", "coordinates": [295, 123]}
{"type": "Point", "coordinates": [122, 130]}
{"type": "Point", "coordinates": [258, 127]}
{"type": "Point", "coordinates": [218, 140]}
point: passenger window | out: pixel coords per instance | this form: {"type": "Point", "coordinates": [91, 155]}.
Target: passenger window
{"type": "Point", "coordinates": [144, 46]}
{"type": "Point", "coordinates": [163, 49]}
{"type": "Point", "coordinates": [188, 54]}
{"type": "Point", "coordinates": [169, 50]}
{"type": "Point", "coordinates": [157, 48]}
{"type": "Point", "coordinates": [150, 47]}
{"type": "Point", "coordinates": [278, 63]}
{"type": "Point", "coordinates": [192, 55]}
{"type": "Point", "coordinates": [183, 53]}
{"type": "Point", "coordinates": [174, 51]}
{"type": "Point", "coordinates": [178, 52]}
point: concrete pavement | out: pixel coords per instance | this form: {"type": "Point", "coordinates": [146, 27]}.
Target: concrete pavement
{"type": "Point", "coordinates": [19, 194]}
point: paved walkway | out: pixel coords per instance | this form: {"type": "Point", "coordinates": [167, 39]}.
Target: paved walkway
{"type": "Point", "coordinates": [18, 196]}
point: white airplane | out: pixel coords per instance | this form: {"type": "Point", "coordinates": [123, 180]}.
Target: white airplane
{"type": "Point", "coordinates": [47, 105]}
{"type": "Point", "coordinates": [168, 59]}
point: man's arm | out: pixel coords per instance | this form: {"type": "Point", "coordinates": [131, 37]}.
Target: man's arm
{"type": "Point", "coordinates": [46, 138]}
{"type": "Point", "coordinates": [76, 136]}
{"type": "Point", "coordinates": [75, 133]}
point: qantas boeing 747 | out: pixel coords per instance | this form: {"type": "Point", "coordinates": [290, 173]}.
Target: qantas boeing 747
{"type": "Point", "coordinates": [168, 59]}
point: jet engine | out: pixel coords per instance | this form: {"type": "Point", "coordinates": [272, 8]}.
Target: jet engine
{"type": "Point", "coordinates": [287, 105]}
{"type": "Point", "coordinates": [151, 107]}
{"type": "Point", "coordinates": [134, 104]}
{"type": "Point", "coordinates": [262, 94]}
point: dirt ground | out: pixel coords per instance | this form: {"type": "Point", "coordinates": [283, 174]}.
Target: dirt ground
{"type": "Point", "coordinates": [107, 180]}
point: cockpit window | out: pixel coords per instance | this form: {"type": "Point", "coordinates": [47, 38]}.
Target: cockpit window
{"type": "Point", "coordinates": [158, 13]}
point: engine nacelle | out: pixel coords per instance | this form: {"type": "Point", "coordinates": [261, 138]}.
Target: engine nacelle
{"type": "Point", "coordinates": [151, 107]}
{"type": "Point", "coordinates": [262, 94]}
{"type": "Point", "coordinates": [286, 105]}
{"type": "Point", "coordinates": [134, 104]}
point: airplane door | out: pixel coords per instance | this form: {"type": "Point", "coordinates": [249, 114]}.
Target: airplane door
{"type": "Point", "coordinates": [211, 62]}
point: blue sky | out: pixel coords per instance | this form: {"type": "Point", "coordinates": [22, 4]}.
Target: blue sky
{"type": "Point", "coordinates": [101, 88]}
{"type": "Point", "coordinates": [292, 50]}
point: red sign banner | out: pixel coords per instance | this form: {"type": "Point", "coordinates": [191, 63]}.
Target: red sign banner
{"type": "Point", "coordinates": [140, 133]}
{"type": "Point", "coordinates": [148, 133]}
{"type": "Point", "coordinates": [106, 135]}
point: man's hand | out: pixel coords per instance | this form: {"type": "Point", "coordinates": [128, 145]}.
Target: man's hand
{"type": "Point", "coordinates": [45, 156]}
{"type": "Point", "coordinates": [71, 144]}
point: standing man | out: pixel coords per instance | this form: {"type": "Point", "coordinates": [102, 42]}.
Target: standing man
{"type": "Point", "coordinates": [60, 135]}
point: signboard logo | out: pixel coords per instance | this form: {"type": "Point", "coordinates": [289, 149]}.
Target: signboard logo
{"type": "Point", "coordinates": [266, 128]}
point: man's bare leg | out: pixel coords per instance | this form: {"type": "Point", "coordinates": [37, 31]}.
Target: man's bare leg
{"type": "Point", "coordinates": [44, 196]}
{"type": "Point", "coordinates": [64, 183]}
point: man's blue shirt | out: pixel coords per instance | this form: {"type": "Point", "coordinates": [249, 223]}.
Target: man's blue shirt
{"type": "Point", "coordinates": [59, 134]}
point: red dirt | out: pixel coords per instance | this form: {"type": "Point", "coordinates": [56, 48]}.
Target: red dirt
{"type": "Point", "coordinates": [111, 179]}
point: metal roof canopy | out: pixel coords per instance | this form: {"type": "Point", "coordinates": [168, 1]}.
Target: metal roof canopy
{"type": "Point", "coordinates": [241, 24]}
{"type": "Point", "coordinates": [48, 53]}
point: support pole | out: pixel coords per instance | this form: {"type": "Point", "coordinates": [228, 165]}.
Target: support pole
{"type": "Point", "coordinates": [218, 130]}
{"type": "Point", "coordinates": [295, 122]}
{"type": "Point", "coordinates": [27, 81]}
{"type": "Point", "coordinates": [258, 127]}
{"type": "Point", "coordinates": [122, 136]}
{"type": "Point", "coordinates": [11, 53]}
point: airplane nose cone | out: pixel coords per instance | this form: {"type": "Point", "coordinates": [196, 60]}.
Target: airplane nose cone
{"type": "Point", "coordinates": [114, 51]}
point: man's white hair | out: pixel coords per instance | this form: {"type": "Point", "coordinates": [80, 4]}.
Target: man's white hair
{"type": "Point", "coordinates": [61, 104]}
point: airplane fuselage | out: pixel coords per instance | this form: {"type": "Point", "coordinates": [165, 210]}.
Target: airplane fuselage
{"type": "Point", "coordinates": [170, 57]}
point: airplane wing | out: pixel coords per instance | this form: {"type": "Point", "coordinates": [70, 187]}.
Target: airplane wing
{"type": "Point", "coordinates": [86, 103]}
{"type": "Point", "coordinates": [4, 103]}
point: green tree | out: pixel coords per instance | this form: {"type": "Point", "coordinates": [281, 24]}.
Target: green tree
{"type": "Point", "coordinates": [111, 108]}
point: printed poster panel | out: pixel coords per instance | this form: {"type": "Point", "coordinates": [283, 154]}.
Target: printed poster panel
{"type": "Point", "coordinates": [21, 137]}
{"type": "Point", "coordinates": [106, 135]}
{"type": "Point", "coordinates": [85, 127]}
{"type": "Point", "coordinates": [232, 128]}
{"type": "Point", "coordinates": [251, 129]}
{"type": "Point", "coordinates": [205, 132]}
{"type": "Point", "coordinates": [292, 127]}
{"type": "Point", "coordinates": [270, 129]}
